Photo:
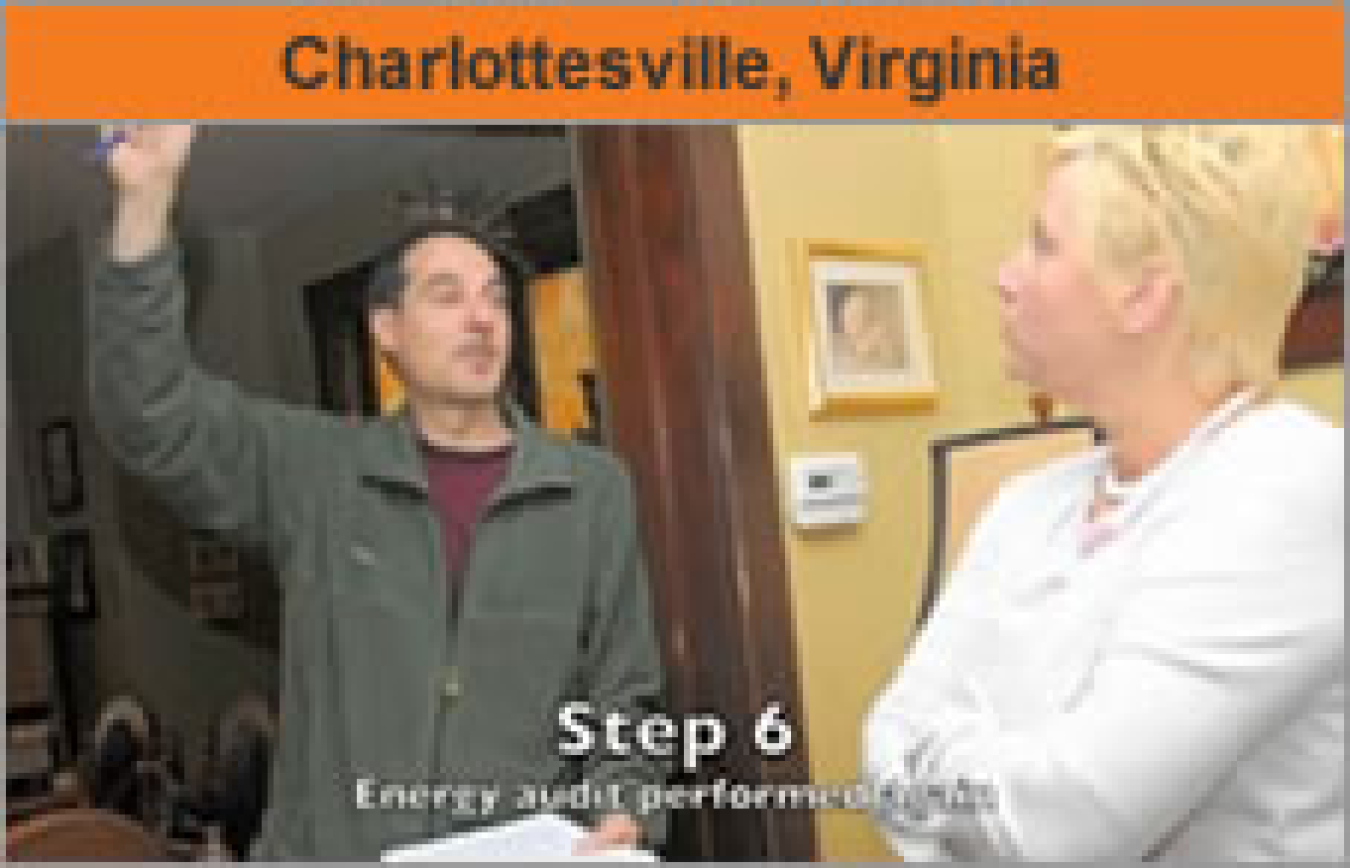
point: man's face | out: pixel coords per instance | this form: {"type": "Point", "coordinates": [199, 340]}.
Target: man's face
{"type": "Point", "coordinates": [449, 334]}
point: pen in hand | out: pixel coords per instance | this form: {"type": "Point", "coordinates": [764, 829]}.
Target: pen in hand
{"type": "Point", "coordinates": [105, 145]}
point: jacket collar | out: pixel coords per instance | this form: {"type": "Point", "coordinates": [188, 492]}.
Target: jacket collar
{"type": "Point", "coordinates": [392, 456]}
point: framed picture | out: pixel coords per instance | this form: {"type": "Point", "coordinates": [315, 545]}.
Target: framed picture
{"type": "Point", "coordinates": [25, 568]}
{"type": "Point", "coordinates": [214, 571]}
{"type": "Point", "coordinates": [30, 670]}
{"type": "Point", "coordinates": [210, 557]}
{"type": "Point", "coordinates": [866, 338]}
{"type": "Point", "coordinates": [217, 601]}
{"type": "Point", "coordinates": [71, 559]}
{"type": "Point", "coordinates": [61, 479]}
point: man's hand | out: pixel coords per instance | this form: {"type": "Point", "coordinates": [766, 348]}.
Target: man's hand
{"type": "Point", "coordinates": [614, 831]}
{"type": "Point", "coordinates": [144, 168]}
{"type": "Point", "coordinates": [150, 157]}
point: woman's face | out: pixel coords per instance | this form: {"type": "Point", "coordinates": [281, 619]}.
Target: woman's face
{"type": "Point", "coordinates": [1055, 317]}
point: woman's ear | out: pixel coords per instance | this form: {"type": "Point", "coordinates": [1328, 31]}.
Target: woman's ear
{"type": "Point", "coordinates": [1151, 299]}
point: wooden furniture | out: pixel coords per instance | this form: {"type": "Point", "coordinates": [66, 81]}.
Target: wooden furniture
{"type": "Point", "coordinates": [1316, 331]}
{"type": "Point", "coordinates": [32, 719]}
{"type": "Point", "coordinates": [82, 835]}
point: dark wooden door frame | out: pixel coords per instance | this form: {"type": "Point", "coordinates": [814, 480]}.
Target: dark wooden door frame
{"type": "Point", "coordinates": [671, 284]}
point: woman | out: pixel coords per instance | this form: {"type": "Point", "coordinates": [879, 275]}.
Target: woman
{"type": "Point", "coordinates": [1139, 657]}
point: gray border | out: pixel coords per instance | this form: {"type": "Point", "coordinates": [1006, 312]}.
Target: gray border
{"type": "Point", "coordinates": [311, 121]}
{"type": "Point", "coordinates": [798, 122]}
{"type": "Point", "coordinates": [973, 3]}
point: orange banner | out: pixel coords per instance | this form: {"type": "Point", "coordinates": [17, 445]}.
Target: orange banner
{"type": "Point", "coordinates": [558, 63]}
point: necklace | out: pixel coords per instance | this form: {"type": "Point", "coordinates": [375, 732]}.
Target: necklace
{"type": "Point", "coordinates": [1124, 499]}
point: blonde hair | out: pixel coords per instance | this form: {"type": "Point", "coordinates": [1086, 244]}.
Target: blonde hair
{"type": "Point", "coordinates": [1230, 208]}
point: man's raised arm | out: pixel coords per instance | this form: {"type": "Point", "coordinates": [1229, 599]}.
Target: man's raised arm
{"type": "Point", "coordinates": [220, 458]}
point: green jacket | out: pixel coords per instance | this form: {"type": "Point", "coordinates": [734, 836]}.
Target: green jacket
{"type": "Point", "coordinates": [377, 683]}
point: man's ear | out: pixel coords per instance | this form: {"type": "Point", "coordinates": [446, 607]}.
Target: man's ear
{"type": "Point", "coordinates": [1151, 299]}
{"type": "Point", "coordinates": [383, 328]}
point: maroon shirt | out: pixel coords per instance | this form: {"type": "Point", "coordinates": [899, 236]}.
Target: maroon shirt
{"type": "Point", "coordinates": [460, 485]}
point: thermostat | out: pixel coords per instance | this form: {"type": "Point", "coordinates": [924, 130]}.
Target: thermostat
{"type": "Point", "coordinates": [828, 490]}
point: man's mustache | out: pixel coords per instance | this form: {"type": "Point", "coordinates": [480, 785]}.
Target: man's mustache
{"type": "Point", "coordinates": [478, 348]}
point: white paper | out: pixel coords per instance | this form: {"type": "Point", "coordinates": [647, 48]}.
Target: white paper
{"type": "Point", "coordinates": [539, 838]}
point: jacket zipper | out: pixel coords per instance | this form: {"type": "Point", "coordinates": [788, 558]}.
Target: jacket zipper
{"type": "Point", "coordinates": [453, 607]}
{"type": "Point", "coordinates": [453, 611]}
{"type": "Point", "coordinates": [438, 724]}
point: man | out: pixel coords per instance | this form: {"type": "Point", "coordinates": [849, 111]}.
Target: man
{"type": "Point", "coordinates": [450, 575]}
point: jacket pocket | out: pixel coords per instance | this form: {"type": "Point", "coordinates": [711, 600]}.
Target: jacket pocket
{"type": "Point", "coordinates": [385, 658]}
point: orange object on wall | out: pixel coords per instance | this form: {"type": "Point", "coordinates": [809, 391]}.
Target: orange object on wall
{"type": "Point", "coordinates": [389, 385]}
{"type": "Point", "coordinates": [564, 348]}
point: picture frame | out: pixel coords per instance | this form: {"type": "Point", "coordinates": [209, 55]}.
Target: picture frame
{"type": "Point", "coordinates": [211, 558]}
{"type": "Point", "coordinates": [71, 560]}
{"type": "Point", "coordinates": [218, 601]}
{"type": "Point", "coordinates": [215, 564]}
{"type": "Point", "coordinates": [866, 336]}
{"type": "Point", "coordinates": [25, 568]}
{"type": "Point", "coordinates": [63, 484]}
{"type": "Point", "coordinates": [30, 666]}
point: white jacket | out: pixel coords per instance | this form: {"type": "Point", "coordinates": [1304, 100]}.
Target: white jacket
{"type": "Point", "coordinates": [1174, 694]}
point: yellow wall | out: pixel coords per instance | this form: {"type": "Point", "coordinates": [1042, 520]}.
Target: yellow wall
{"type": "Point", "coordinates": [1323, 389]}
{"type": "Point", "coordinates": [963, 194]}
